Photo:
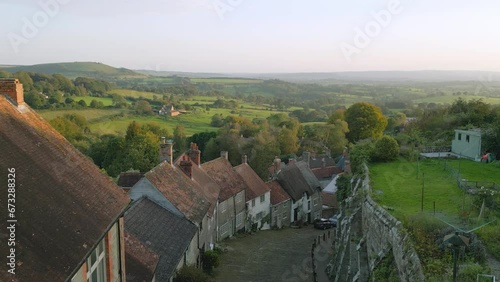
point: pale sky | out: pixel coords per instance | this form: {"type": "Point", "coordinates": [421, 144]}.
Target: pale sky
{"type": "Point", "coordinates": [254, 35]}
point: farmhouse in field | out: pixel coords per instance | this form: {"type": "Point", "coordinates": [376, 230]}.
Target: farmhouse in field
{"type": "Point", "coordinates": [69, 218]}
{"type": "Point", "coordinates": [168, 111]}
{"type": "Point", "coordinates": [467, 143]}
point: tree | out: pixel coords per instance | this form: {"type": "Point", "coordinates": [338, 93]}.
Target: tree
{"type": "Point", "coordinates": [365, 120]}
{"type": "Point", "coordinates": [386, 149]}
{"type": "Point", "coordinates": [180, 138]}
{"type": "Point", "coordinates": [143, 107]}
{"type": "Point", "coordinates": [288, 141]}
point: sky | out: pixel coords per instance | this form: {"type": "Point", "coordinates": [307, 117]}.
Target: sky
{"type": "Point", "coordinates": [254, 36]}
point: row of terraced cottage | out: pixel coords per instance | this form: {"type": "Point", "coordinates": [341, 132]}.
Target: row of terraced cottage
{"type": "Point", "coordinates": [76, 224]}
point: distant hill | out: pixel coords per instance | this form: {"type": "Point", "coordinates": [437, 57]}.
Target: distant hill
{"type": "Point", "coordinates": [76, 69]}
{"type": "Point", "coordinates": [348, 77]}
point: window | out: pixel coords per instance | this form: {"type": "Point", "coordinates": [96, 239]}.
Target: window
{"type": "Point", "coordinates": [459, 136]}
{"type": "Point", "coordinates": [239, 219]}
{"type": "Point", "coordinates": [262, 198]}
{"type": "Point", "coordinates": [97, 264]}
{"type": "Point", "coordinates": [308, 205]}
{"type": "Point", "coordinates": [224, 229]}
{"type": "Point", "coordinates": [253, 202]}
{"type": "Point", "coordinates": [223, 206]}
{"type": "Point", "coordinates": [467, 139]}
{"type": "Point", "coordinates": [285, 215]}
{"type": "Point", "coordinates": [285, 205]}
{"type": "Point", "coordinates": [259, 215]}
{"type": "Point", "coordinates": [239, 197]}
{"type": "Point", "coordinates": [315, 202]}
{"type": "Point", "coordinates": [275, 208]}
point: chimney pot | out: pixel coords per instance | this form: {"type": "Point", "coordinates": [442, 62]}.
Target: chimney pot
{"type": "Point", "coordinates": [224, 155]}
{"type": "Point", "coordinates": [244, 159]}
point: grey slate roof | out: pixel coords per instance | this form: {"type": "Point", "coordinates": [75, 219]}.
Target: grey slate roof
{"type": "Point", "coordinates": [165, 233]}
{"type": "Point", "coordinates": [297, 179]}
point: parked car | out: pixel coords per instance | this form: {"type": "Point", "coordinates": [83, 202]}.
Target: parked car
{"type": "Point", "coordinates": [333, 220]}
{"type": "Point", "coordinates": [323, 223]}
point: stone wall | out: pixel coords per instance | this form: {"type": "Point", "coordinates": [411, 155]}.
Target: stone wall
{"type": "Point", "coordinates": [366, 233]}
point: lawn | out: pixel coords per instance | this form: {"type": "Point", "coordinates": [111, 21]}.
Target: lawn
{"type": "Point", "coordinates": [396, 185]}
{"type": "Point", "coordinates": [134, 93]}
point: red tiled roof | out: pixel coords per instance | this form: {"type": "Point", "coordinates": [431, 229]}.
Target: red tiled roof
{"type": "Point", "coordinates": [129, 179]}
{"type": "Point", "coordinates": [180, 190]}
{"type": "Point", "coordinates": [256, 187]}
{"type": "Point", "coordinates": [278, 195]}
{"type": "Point", "coordinates": [329, 199]}
{"type": "Point", "coordinates": [326, 172]}
{"type": "Point", "coordinates": [221, 171]}
{"type": "Point", "coordinates": [207, 187]}
{"type": "Point", "coordinates": [64, 202]}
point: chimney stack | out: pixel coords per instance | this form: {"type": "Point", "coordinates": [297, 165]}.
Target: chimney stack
{"type": "Point", "coordinates": [224, 155]}
{"type": "Point", "coordinates": [244, 159]}
{"type": "Point", "coordinates": [166, 150]}
{"type": "Point", "coordinates": [291, 161]}
{"type": "Point", "coordinates": [306, 156]}
{"type": "Point", "coordinates": [13, 89]}
{"type": "Point", "coordinates": [195, 154]}
{"type": "Point", "coordinates": [277, 164]}
{"type": "Point", "coordinates": [186, 166]}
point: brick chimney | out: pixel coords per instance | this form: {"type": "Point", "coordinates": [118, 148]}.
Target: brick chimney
{"type": "Point", "coordinates": [166, 150]}
{"type": "Point", "coordinates": [277, 164]}
{"type": "Point", "coordinates": [186, 166]}
{"type": "Point", "coordinates": [195, 154]}
{"type": "Point", "coordinates": [244, 159]}
{"type": "Point", "coordinates": [291, 161]}
{"type": "Point", "coordinates": [13, 89]}
{"type": "Point", "coordinates": [224, 155]}
{"type": "Point", "coordinates": [306, 156]}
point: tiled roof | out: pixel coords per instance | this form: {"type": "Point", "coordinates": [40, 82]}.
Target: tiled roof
{"type": "Point", "coordinates": [221, 171]}
{"type": "Point", "coordinates": [326, 172]}
{"type": "Point", "coordinates": [321, 161]}
{"type": "Point", "coordinates": [64, 204]}
{"type": "Point", "coordinates": [180, 190]}
{"type": "Point", "coordinates": [256, 187]}
{"type": "Point", "coordinates": [298, 179]}
{"type": "Point", "coordinates": [140, 260]}
{"type": "Point", "coordinates": [165, 233]}
{"type": "Point", "coordinates": [129, 179]}
{"type": "Point", "coordinates": [206, 185]}
{"type": "Point", "coordinates": [329, 199]}
{"type": "Point", "coordinates": [278, 195]}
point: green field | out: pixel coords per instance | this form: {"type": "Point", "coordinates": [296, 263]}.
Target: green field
{"type": "Point", "coordinates": [225, 80]}
{"type": "Point", "coordinates": [88, 100]}
{"type": "Point", "coordinates": [396, 185]}
{"type": "Point", "coordinates": [450, 99]}
{"type": "Point", "coordinates": [134, 93]}
{"type": "Point", "coordinates": [90, 114]}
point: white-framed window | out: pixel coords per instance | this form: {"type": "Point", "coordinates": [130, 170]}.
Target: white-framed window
{"type": "Point", "coordinates": [262, 198]}
{"type": "Point", "coordinates": [96, 264]}
{"type": "Point", "coordinates": [239, 218]}
{"type": "Point", "coordinates": [223, 206]}
{"type": "Point", "coordinates": [239, 197]}
{"type": "Point", "coordinates": [285, 215]}
{"type": "Point", "coordinates": [285, 205]}
{"type": "Point", "coordinates": [253, 202]}
{"type": "Point", "coordinates": [224, 229]}
{"type": "Point", "coordinates": [259, 215]}
{"type": "Point", "coordinates": [275, 208]}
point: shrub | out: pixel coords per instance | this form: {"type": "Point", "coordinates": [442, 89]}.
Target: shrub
{"type": "Point", "coordinates": [210, 261]}
{"type": "Point", "coordinates": [386, 149]}
{"type": "Point", "coordinates": [191, 274]}
{"type": "Point", "coordinates": [469, 272]}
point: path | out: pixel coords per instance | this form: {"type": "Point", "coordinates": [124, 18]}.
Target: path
{"type": "Point", "coordinates": [274, 255]}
